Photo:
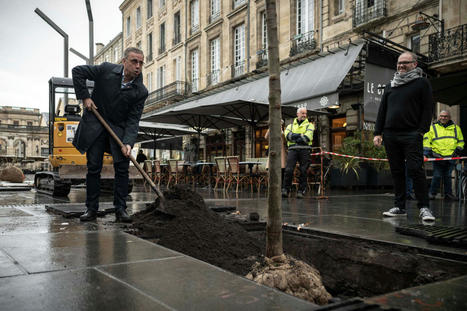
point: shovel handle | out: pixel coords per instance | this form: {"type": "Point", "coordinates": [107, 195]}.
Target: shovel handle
{"type": "Point", "coordinates": [132, 158]}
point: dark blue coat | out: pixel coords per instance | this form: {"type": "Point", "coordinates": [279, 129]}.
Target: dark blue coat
{"type": "Point", "coordinates": [121, 108]}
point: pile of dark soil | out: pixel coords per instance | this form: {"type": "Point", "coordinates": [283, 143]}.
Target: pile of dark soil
{"type": "Point", "coordinates": [195, 230]}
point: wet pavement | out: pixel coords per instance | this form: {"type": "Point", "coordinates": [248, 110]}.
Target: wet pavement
{"type": "Point", "coordinates": [49, 262]}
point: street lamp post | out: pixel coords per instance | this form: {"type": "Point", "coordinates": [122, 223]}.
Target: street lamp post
{"type": "Point", "coordinates": [91, 32]}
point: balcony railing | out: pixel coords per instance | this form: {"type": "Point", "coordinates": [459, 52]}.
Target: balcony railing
{"type": "Point", "coordinates": [172, 90]}
{"type": "Point", "coordinates": [149, 57]}
{"type": "Point", "coordinates": [214, 16]}
{"type": "Point", "coordinates": [262, 58]}
{"type": "Point", "coordinates": [194, 29]}
{"type": "Point", "coordinates": [214, 77]}
{"type": "Point", "coordinates": [366, 11]}
{"type": "Point", "coordinates": [452, 43]}
{"type": "Point", "coordinates": [237, 3]}
{"type": "Point", "coordinates": [177, 38]}
{"type": "Point", "coordinates": [238, 69]}
{"type": "Point", "coordinates": [304, 42]}
{"type": "Point", "coordinates": [162, 49]}
{"type": "Point", "coordinates": [24, 128]}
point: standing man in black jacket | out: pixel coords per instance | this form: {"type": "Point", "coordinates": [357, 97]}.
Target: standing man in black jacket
{"type": "Point", "coordinates": [119, 96]}
{"type": "Point", "coordinates": [404, 116]}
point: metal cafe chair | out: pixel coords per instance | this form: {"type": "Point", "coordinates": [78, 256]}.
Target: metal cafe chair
{"type": "Point", "coordinates": [157, 172]}
{"type": "Point", "coordinates": [222, 173]}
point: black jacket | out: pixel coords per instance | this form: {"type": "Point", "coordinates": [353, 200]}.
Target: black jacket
{"type": "Point", "coordinates": [121, 108]}
{"type": "Point", "coordinates": [406, 108]}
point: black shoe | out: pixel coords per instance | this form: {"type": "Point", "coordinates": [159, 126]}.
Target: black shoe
{"type": "Point", "coordinates": [410, 197]}
{"type": "Point", "coordinates": [285, 193]}
{"type": "Point", "coordinates": [89, 215]}
{"type": "Point", "coordinates": [122, 216]}
{"type": "Point", "coordinates": [450, 197]}
{"type": "Point", "coordinates": [431, 196]}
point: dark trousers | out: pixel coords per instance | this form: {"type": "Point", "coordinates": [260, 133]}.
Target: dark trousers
{"type": "Point", "coordinates": [303, 158]}
{"type": "Point", "coordinates": [94, 157]}
{"type": "Point", "coordinates": [442, 171]}
{"type": "Point", "coordinates": [406, 148]}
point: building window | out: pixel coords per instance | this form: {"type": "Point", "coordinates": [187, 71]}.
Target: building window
{"type": "Point", "coordinates": [261, 143]}
{"type": "Point", "coordinates": [106, 58]}
{"type": "Point", "coordinates": [149, 81]}
{"type": "Point", "coordinates": [237, 3]}
{"type": "Point", "coordinates": [215, 61]}
{"type": "Point", "coordinates": [178, 68]}
{"type": "Point", "coordinates": [239, 50]}
{"type": "Point", "coordinates": [161, 3]}
{"type": "Point", "coordinates": [195, 70]}
{"type": "Point", "coordinates": [339, 7]}
{"type": "Point", "coordinates": [338, 132]}
{"type": "Point", "coordinates": [194, 10]}
{"type": "Point", "coordinates": [15, 123]}
{"type": "Point", "coordinates": [162, 38]}
{"type": "Point", "coordinates": [177, 26]}
{"type": "Point", "coordinates": [215, 10]}
{"type": "Point", "coordinates": [138, 45]}
{"type": "Point", "coordinates": [264, 33]}
{"type": "Point", "coordinates": [138, 17]}
{"type": "Point", "coordinates": [116, 59]}
{"type": "Point", "coordinates": [415, 43]}
{"type": "Point", "coordinates": [149, 56]}
{"type": "Point", "coordinates": [161, 77]}
{"type": "Point", "coordinates": [128, 26]}
{"type": "Point", "coordinates": [29, 124]}
{"type": "Point", "coordinates": [149, 8]}
{"type": "Point", "coordinates": [305, 16]}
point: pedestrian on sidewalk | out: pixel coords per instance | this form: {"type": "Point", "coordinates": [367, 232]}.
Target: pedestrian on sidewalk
{"type": "Point", "coordinates": [119, 96]}
{"type": "Point", "coordinates": [404, 116]}
{"type": "Point", "coordinates": [299, 137]}
{"type": "Point", "coordinates": [444, 139]}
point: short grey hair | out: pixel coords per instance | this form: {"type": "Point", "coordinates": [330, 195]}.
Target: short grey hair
{"type": "Point", "coordinates": [300, 108]}
{"type": "Point", "coordinates": [131, 50]}
{"type": "Point", "coordinates": [445, 111]}
{"type": "Point", "coordinates": [413, 55]}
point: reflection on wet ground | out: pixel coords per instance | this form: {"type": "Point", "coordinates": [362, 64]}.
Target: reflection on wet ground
{"type": "Point", "coordinates": [73, 263]}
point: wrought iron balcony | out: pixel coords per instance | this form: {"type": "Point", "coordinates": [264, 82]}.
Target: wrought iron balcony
{"type": "Point", "coordinates": [214, 77]}
{"type": "Point", "coordinates": [304, 42]}
{"type": "Point", "coordinates": [214, 16]}
{"type": "Point", "coordinates": [149, 57]}
{"type": "Point", "coordinates": [366, 11]}
{"type": "Point", "coordinates": [452, 43]}
{"type": "Point", "coordinates": [237, 3]}
{"type": "Point", "coordinates": [238, 69]}
{"type": "Point", "coordinates": [194, 29]}
{"type": "Point", "coordinates": [262, 58]}
{"type": "Point", "coordinates": [175, 90]}
{"type": "Point", "coordinates": [177, 38]}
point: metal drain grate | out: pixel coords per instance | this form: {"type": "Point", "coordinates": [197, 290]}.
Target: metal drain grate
{"type": "Point", "coordinates": [453, 236]}
{"type": "Point", "coordinates": [353, 304]}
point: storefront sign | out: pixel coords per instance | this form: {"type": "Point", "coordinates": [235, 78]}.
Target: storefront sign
{"type": "Point", "coordinates": [376, 78]}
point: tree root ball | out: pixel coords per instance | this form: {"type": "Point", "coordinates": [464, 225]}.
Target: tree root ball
{"type": "Point", "coordinates": [292, 276]}
{"type": "Point", "coordinates": [12, 174]}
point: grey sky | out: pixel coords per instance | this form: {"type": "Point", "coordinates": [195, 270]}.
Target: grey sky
{"type": "Point", "coordinates": [31, 51]}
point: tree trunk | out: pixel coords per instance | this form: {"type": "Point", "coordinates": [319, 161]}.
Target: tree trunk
{"type": "Point", "coordinates": [274, 224]}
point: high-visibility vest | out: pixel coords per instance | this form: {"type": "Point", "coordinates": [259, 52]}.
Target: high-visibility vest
{"type": "Point", "coordinates": [443, 140]}
{"type": "Point", "coordinates": [306, 128]}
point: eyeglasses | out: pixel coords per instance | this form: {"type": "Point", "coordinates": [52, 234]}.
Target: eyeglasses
{"type": "Point", "coordinates": [441, 116]}
{"type": "Point", "coordinates": [405, 62]}
{"type": "Point", "coordinates": [136, 62]}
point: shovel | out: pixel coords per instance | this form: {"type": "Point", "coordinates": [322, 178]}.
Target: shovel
{"type": "Point", "coordinates": [140, 169]}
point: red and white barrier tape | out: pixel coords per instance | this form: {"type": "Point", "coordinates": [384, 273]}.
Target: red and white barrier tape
{"type": "Point", "coordinates": [377, 159]}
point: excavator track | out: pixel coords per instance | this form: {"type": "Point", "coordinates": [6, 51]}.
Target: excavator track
{"type": "Point", "coordinates": [51, 184]}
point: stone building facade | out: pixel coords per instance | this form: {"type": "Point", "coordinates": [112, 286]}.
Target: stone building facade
{"type": "Point", "coordinates": [195, 48]}
{"type": "Point", "coordinates": [112, 52]}
{"type": "Point", "coordinates": [23, 137]}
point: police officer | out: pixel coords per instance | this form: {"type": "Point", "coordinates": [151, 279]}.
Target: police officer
{"type": "Point", "coordinates": [444, 139]}
{"type": "Point", "coordinates": [299, 137]}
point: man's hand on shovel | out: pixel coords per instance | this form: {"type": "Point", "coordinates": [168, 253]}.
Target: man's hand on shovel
{"type": "Point", "coordinates": [126, 150]}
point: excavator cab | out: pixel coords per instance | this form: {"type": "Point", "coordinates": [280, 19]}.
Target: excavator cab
{"type": "Point", "coordinates": [67, 166]}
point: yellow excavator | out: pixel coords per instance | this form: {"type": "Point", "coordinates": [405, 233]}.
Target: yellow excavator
{"type": "Point", "coordinates": [67, 166]}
